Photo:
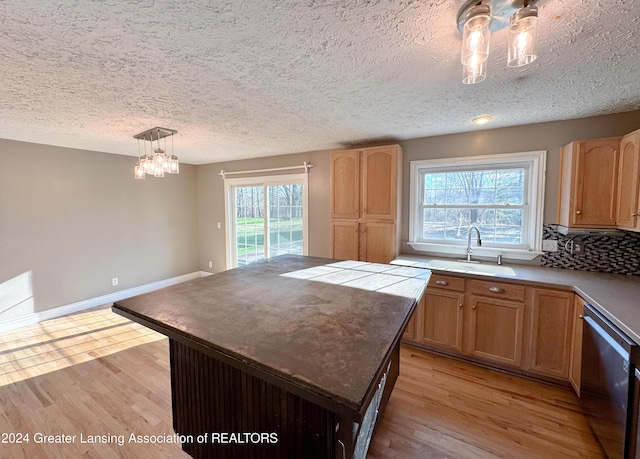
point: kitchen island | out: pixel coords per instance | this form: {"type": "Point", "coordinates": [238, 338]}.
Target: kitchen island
{"type": "Point", "coordinates": [287, 357]}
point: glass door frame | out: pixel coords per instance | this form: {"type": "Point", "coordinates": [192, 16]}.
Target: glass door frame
{"type": "Point", "coordinates": [230, 184]}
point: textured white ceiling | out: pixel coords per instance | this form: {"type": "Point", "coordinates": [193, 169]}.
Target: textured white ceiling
{"type": "Point", "coordinates": [242, 79]}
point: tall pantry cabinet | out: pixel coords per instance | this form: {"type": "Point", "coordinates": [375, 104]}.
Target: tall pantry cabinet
{"type": "Point", "coordinates": [365, 203]}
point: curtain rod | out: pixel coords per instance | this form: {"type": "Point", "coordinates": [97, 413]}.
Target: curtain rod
{"type": "Point", "coordinates": [306, 166]}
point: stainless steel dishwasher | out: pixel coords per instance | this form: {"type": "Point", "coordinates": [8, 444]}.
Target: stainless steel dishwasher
{"type": "Point", "coordinates": [606, 393]}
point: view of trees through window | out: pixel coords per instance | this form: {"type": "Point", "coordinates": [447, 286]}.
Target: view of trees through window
{"type": "Point", "coordinates": [268, 221]}
{"type": "Point", "coordinates": [492, 200]}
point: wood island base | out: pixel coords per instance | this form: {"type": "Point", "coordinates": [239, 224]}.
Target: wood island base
{"type": "Point", "coordinates": [228, 413]}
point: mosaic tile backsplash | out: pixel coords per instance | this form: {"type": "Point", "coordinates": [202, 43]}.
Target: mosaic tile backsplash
{"type": "Point", "coordinates": [607, 254]}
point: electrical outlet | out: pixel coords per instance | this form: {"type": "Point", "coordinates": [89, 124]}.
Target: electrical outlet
{"type": "Point", "coordinates": [211, 264]}
{"type": "Point", "coordinates": [114, 281]}
{"type": "Point", "coordinates": [219, 226]}
{"type": "Point", "coordinates": [550, 245]}
{"type": "Point", "coordinates": [578, 249]}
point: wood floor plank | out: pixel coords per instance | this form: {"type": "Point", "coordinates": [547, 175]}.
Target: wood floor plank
{"type": "Point", "coordinates": [96, 373]}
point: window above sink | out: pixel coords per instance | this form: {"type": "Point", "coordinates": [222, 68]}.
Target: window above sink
{"type": "Point", "coordinates": [502, 195]}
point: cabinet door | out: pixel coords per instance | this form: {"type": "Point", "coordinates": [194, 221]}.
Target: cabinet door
{"type": "Point", "coordinates": [345, 184]}
{"type": "Point", "coordinates": [379, 182]}
{"type": "Point", "coordinates": [441, 321]}
{"type": "Point", "coordinates": [410, 332]}
{"type": "Point", "coordinates": [549, 344]}
{"type": "Point", "coordinates": [377, 242]}
{"type": "Point", "coordinates": [628, 170]}
{"type": "Point", "coordinates": [575, 366]}
{"type": "Point", "coordinates": [344, 240]}
{"type": "Point", "coordinates": [595, 170]}
{"type": "Point", "coordinates": [494, 330]}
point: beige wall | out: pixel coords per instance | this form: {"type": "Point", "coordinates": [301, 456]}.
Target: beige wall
{"type": "Point", "coordinates": [544, 136]}
{"type": "Point", "coordinates": [70, 220]}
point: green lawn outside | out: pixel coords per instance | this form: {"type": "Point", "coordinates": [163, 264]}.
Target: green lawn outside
{"type": "Point", "coordinates": [250, 234]}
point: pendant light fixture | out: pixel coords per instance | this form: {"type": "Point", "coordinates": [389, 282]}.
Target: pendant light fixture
{"type": "Point", "coordinates": [523, 37]}
{"type": "Point", "coordinates": [475, 44]}
{"type": "Point", "coordinates": [157, 161]}
{"type": "Point", "coordinates": [478, 18]}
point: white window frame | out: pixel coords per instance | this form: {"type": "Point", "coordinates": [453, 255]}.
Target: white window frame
{"type": "Point", "coordinates": [535, 161]}
{"type": "Point", "coordinates": [229, 214]}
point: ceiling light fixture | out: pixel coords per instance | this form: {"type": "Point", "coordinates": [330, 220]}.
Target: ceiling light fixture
{"type": "Point", "coordinates": [478, 18]}
{"type": "Point", "coordinates": [157, 162]}
{"type": "Point", "coordinates": [484, 119]}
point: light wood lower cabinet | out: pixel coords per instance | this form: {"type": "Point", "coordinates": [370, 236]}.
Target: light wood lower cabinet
{"type": "Point", "coordinates": [550, 330]}
{"type": "Point", "coordinates": [441, 319]}
{"type": "Point", "coordinates": [344, 239]}
{"type": "Point", "coordinates": [410, 332]}
{"type": "Point", "coordinates": [364, 241]}
{"type": "Point", "coordinates": [575, 365]}
{"type": "Point", "coordinates": [495, 330]}
{"type": "Point", "coordinates": [514, 327]}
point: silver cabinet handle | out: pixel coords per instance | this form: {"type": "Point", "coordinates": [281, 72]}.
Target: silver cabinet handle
{"type": "Point", "coordinates": [578, 212]}
{"type": "Point", "coordinates": [442, 282]}
{"type": "Point", "coordinates": [496, 289]}
{"type": "Point", "coordinates": [581, 316]}
{"type": "Point", "coordinates": [634, 215]}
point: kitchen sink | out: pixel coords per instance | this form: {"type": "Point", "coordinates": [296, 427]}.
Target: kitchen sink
{"type": "Point", "coordinates": [470, 267]}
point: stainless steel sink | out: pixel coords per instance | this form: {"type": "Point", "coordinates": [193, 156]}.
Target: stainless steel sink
{"type": "Point", "coordinates": [473, 268]}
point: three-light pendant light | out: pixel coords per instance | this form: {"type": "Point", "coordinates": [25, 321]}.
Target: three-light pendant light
{"type": "Point", "coordinates": [478, 18]}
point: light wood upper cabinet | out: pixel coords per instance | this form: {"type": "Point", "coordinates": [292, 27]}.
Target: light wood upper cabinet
{"type": "Point", "coordinates": [379, 167]}
{"type": "Point", "coordinates": [587, 192]}
{"type": "Point", "coordinates": [365, 182]}
{"type": "Point", "coordinates": [365, 195]}
{"type": "Point", "coordinates": [575, 365]}
{"type": "Point", "coordinates": [628, 208]}
{"type": "Point", "coordinates": [345, 184]}
{"type": "Point", "coordinates": [550, 329]}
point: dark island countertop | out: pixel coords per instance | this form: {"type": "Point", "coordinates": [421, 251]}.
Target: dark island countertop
{"type": "Point", "coordinates": [616, 296]}
{"type": "Point", "coordinates": [320, 326]}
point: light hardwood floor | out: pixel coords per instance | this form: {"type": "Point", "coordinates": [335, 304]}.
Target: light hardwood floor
{"type": "Point", "coordinates": [98, 374]}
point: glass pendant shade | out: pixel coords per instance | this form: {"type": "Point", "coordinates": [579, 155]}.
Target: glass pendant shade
{"type": "Point", "coordinates": [475, 44]}
{"type": "Point", "coordinates": [139, 172]}
{"type": "Point", "coordinates": [174, 165]}
{"type": "Point", "coordinates": [474, 72]}
{"type": "Point", "coordinates": [523, 37]}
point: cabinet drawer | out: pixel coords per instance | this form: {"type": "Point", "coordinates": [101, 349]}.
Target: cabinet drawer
{"type": "Point", "coordinates": [447, 282]}
{"type": "Point", "coordinates": [497, 290]}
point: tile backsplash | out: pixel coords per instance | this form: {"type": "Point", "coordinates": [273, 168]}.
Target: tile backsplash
{"type": "Point", "coordinates": [607, 254]}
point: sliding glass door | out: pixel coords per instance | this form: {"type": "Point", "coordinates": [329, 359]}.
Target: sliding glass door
{"type": "Point", "coordinates": [266, 217]}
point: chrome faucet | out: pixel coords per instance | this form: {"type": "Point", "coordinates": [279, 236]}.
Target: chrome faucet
{"type": "Point", "coordinates": [478, 240]}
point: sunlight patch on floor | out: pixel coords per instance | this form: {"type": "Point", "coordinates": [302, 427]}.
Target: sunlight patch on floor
{"type": "Point", "coordinates": [59, 343]}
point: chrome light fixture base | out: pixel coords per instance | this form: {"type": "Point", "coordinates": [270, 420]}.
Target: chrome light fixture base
{"type": "Point", "coordinates": [155, 133]}
{"type": "Point", "coordinates": [501, 11]}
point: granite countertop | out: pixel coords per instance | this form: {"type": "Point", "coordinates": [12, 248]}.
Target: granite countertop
{"type": "Point", "coordinates": [616, 296]}
{"type": "Point", "coordinates": [320, 326]}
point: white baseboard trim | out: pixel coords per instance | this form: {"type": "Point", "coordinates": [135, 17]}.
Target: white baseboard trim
{"type": "Point", "coordinates": [94, 302]}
